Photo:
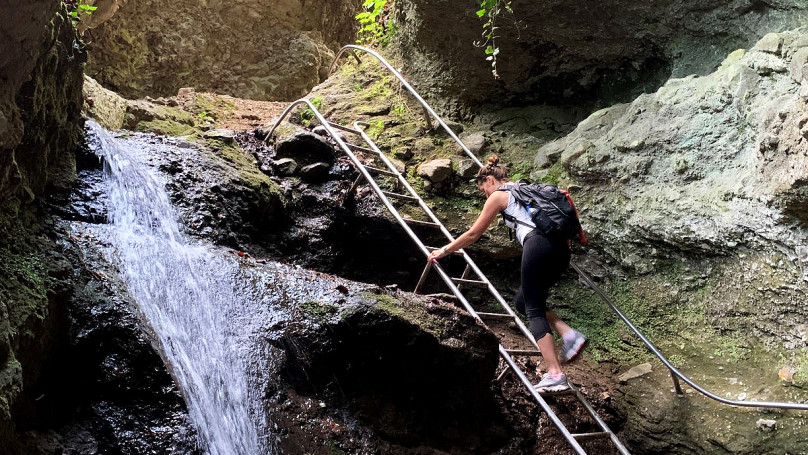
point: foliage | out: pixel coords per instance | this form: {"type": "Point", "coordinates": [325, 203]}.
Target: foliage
{"type": "Point", "coordinates": [307, 114]}
{"type": "Point", "coordinates": [374, 28]}
{"type": "Point", "coordinates": [490, 11]}
{"type": "Point", "coordinates": [521, 171]}
{"type": "Point", "coordinates": [80, 7]}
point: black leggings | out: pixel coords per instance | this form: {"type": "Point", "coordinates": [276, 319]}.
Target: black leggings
{"type": "Point", "coordinates": [543, 262]}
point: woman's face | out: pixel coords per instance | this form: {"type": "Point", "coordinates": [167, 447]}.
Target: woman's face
{"type": "Point", "coordinates": [489, 185]}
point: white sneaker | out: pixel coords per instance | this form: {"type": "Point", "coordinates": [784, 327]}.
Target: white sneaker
{"type": "Point", "coordinates": [552, 383]}
{"type": "Point", "coordinates": [572, 348]}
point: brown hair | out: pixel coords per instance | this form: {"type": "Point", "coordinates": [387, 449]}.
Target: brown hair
{"type": "Point", "coordinates": [493, 169]}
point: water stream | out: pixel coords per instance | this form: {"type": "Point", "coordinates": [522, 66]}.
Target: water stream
{"type": "Point", "coordinates": [187, 296]}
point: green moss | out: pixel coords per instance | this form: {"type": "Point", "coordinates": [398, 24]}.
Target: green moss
{"type": "Point", "coordinates": [555, 174]}
{"type": "Point", "coordinates": [801, 370]}
{"type": "Point", "coordinates": [213, 106]}
{"type": "Point", "coordinates": [318, 311]}
{"type": "Point", "coordinates": [414, 312]}
{"type": "Point", "coordinates": [166, 127]}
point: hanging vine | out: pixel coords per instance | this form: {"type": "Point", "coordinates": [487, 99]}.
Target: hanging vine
{"type": "Point", "coordinates": [490, 11]}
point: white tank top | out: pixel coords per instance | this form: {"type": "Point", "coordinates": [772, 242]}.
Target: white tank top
{"type": "Point", "coordinates": [516, 210]}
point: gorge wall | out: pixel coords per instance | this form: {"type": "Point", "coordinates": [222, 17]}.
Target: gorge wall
{"type": "Point", "coordinates": [41, 62]}
{"type": "Point", "coordinates": [251, 49]}
{"type": "Point", "coordinates": [561, 52]}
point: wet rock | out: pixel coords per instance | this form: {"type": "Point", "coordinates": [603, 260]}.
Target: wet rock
{"type": "Point", "coordinates": [635, 372]}
{"type": "Point", "coordinates": [221, 134]}
{"type": "Point", "coordinates": [436, 171]}
{"type": "Point", "coordinates": [104, 106]}
{"type": "Point", "coordinates": [314, 172]}
{"type": "Point", "coordinates": [347, 356]}
{"type": "Point", "coordinates": [306, 148]}
{"type": "Point", "coordinates": [285, 166]}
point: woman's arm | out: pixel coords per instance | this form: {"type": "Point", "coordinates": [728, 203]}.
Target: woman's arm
{"type": "Point", "coordinates": [493, 205]}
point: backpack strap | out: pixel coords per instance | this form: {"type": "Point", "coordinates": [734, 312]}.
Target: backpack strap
{"type": "Point", "coordinates": [581, 235]}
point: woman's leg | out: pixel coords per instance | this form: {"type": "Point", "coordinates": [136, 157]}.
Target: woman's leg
{"type": "Point", "coordinates": [539, 272]}
{"type": "Point", "coordinates": [557, 324]}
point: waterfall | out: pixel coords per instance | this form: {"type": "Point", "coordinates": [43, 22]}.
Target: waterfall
{"type": "Point", "coordinates": [187, 297]}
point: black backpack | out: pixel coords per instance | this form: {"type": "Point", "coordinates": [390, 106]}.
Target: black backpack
{"type": "Point", "coordinates": [551, 210]}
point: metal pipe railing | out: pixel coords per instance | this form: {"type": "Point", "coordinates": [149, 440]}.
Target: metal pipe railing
{"type": "Point", "coordinates": [675, 373]}
{"type": "Point", "coordinates": [352, 48]}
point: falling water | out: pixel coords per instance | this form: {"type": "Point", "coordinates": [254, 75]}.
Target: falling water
{"type": "Point", "coordinates": [187, 297]}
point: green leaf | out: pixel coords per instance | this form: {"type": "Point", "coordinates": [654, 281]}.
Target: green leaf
{"type": "Point", "coordinates": [489, 50]}
{"type": "Point", "coordinates": [481, 13]}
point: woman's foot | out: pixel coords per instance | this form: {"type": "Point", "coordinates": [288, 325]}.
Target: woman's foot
{"type": "Point", "coordinates": [572, 347]}
{"type": "Point", "coordinates": [552, 382]}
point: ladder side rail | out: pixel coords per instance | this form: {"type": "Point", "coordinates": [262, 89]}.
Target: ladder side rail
{"type": "Point", "coordinates": [352, 48]}
{"type": "Point", "coordinates": [615, 441]}
{"type": "Point", "coordinates": [331, 131]}
{"type": "Point", "coordinates": [674, 371]}
{"type": "Point", "coordinates": [539, 399]}
{"type": "Point", "coordinates": [491, 289]}
{"type": "Point", "coordinates": [404, 182]}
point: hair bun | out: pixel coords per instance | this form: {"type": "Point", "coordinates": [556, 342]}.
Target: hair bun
{"type": "Point", "coordinates": [493, 160]}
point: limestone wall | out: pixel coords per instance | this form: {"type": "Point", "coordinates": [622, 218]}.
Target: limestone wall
{"type": "Point", "coordinates": [247, 48]}
{"type": "Point", "coordinates": [560, 51]}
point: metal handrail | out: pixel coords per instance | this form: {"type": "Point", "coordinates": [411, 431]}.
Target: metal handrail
{"type": "Point", "coordinates": [675, 373]}
{"type": "Point", "coordinates": [351, 48]}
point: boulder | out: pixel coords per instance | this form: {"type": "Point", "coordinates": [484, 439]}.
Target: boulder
{"type": "Point", "coordinates": [466, 168]}
{"type": "Point", "coordinates": [285, 166]}
{"type": "Point", "coordinates": [306, 148]}
{"type": "Point", "coordinates": [104, 106]}
{"type": "Point", "coordinates": [436, 171]}
{"type": "Point", "coordinates": [635, 372]}
{"type": "Point", "coordinates": [314, 172]}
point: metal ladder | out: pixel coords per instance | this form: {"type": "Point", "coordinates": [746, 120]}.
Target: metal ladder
{"type": "Point", "coordinates": [676, 375]}
{"type": "Point", "coordinates": [369, 174]}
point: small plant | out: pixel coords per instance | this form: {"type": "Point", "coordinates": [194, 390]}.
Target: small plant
{"type": "Point", "coordinates": [204, 117]}
{"type": "Point", "coordinates": [80, 6]}
{"type": "Point", "coordinates": [307, 114]}
{"type": "Point", "coordinates": [490, 10]}
{"type": "Point", "coordinates": [373, 23]}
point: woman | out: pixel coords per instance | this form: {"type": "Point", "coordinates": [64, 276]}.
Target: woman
{"type": "Point", "coordinates": [543, 262]}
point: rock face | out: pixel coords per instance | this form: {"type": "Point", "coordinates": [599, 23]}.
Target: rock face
{"type": "Point", "coordinates": [405, 367]}
{"type": "Point", "coordinates": [252, 49]}
{"type": "Point", "coordinates": [561, 51]}
{"type": "Point", "coordinates": [40, 102]}
{"type": "Point", "coordinates": [701, 183]}
{"type": "Point", "coordinates": [40, 98]}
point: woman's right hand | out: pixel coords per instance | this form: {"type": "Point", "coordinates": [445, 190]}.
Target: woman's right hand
{"type": "Point", "coordinates": [436, 254]}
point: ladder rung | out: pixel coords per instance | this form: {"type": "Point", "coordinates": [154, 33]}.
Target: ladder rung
{"type": "Point", "coordinates": [523, 352]}
{"type": "Point", "coordinates": [355, 147]}
{"type": "Point", "coordinates": [381, 171]}
{"type": "Point", "coordinates": [400, 196]}
{"type": "Point", "coordinates": [589, 436]}
{"type": "Point", "coordinates": [343, 128]}
{"type": "Point", "coordinates": [478, 283]}
{"type": "Point", "coordinates": [495, 316]}
{"type": "Point", "coordinates": [421, 223]}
